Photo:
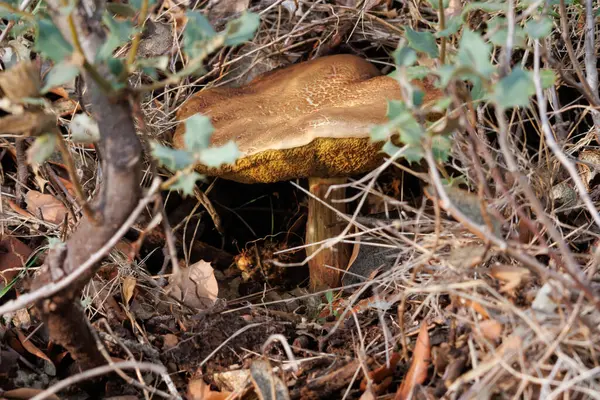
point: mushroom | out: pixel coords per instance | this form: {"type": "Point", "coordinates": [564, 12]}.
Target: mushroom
{"type": "Point", "coordinates": [310, 120]}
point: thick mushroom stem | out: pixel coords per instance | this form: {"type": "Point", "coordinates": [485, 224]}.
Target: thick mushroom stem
{"type": "Point", "coordinates": [326, 267]}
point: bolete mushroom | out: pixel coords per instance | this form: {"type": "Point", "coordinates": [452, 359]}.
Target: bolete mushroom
{"type": "Point", "coordinates": [310, 120]}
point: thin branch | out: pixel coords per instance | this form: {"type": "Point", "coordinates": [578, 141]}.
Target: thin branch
{"type": "Point", "coordinates": [99, 371]}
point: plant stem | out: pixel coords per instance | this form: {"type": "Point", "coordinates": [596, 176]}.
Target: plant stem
{"type": "Point", "coordinates": [66, 155]}
{"type": "Point", "coordinates": [135, 43]}
{"type": "Point", "coordinates": [442, 27]}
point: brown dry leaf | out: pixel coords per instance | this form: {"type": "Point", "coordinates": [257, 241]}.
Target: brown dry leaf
{"type": "Point", "coordinates": [25, 393]}
{"type": "Point", "coordinates": [417, 373]}
{"type": "Point", "coordinates": [196, 286]}
{"type": "Point", "coordinates": [219, 9]}
{"type": "Point", "coordinates": [379, 374]}
{"type": "Point", "coordinates": [13, 256]}
{"type": "Point", "coordinates": [233, 381]}
{"type": "Point", "coordinates": [33, 349]}
{"type": "Point", "coordinates": [478, 308]}
{"type": "Point", "coordinates": [198, 390]}
{"type": "Point", "coordinates": [51, 209]}
{"type": "Point", "coordinates": [512, 276]}
{"type": "Point", "coordinates": [128, 288]}
{"type": "Point", "coordinates": [170, 341]}
{"type": "Point", "coordinates": [490, 329]}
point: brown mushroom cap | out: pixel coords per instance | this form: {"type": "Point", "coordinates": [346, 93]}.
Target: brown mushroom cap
{"type": "Point", "coordinates": [312, 119]}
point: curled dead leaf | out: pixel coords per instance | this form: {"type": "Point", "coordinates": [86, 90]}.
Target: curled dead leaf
{"type": "Point", "coordinates": [491, 329]}
{"type": "Point", "coordinates": [45, 206]}
{"type": "Point", "coordinates": [198, 390]}
{"type": "Point", "coordinates": [417, 373]}
{"type": "Point", "coordinates": [13, 256]}
{"type": "Point", "coordinates": [511, 276]}
{"type": "Point", "coordinates": [195, 286]}
{"type": "Point", "coordinates": [128, 288]}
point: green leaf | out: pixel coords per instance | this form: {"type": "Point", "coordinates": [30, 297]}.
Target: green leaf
{"type": "Point", "coordinates": [197, 31]}
{"type": "Point", "coordinates": [51, 43]}
{"type": "Point", "coordinates": [539, 28]}
{"type": "Point", "coordinates": [413, 154]}
{"type": "Point", "coordinates": [241, 29]}
{"type": "Point", "coordinates": [417, 72]}
{"type": "Point", "coordinates": [172, 158]}
{"type": "Point", "coordinates": [548, 77]}
{"type": "Point", "coordinates": [499, 28]}
{"type": "Point", "coordinates": [119, 33]}
{"type": "Point", "coordinates": [214, 157]}
{"type": "Point", "coordinates": [402, 121]}
{"type": "Point", "coordinates": [440, 147]}
{"type": "Point", "coordinates": [137, 4]}
{"type": "Point", "coordinates": [475, 52]}
{"type": "Point", "coordinates": [186, 182]}
{"type": "Point", "coordinates": [61, 73]}
{"type": "Point", "coordinates": [422, 41]}
{"type": "Point", "coordinates": [41, 149]}
{"type": "Point", "coordinates": [514, 89]}
{"type": "Point", "coordinates": [487, 6]}
{"type": "Point", "coordinates": [198, 130]}
{"type": "Point", "coordinates": [404, 56]}
{"type": "Point", "coordinates": [116, 66]}
{"type": "Point", "coordinates": [452, 26]}
{"type": "Point", "coordinates": [121, 10]}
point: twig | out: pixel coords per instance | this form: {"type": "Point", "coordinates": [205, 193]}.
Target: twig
{"type": "Point", "coordinates": [99, 371]}
{"type": "Point", "coordinates": [564, 23]}
{"type": "Point", "coordinates": [22, 171]}
{"type": "Point", "coordinates": [591, 59]}
{"type": "Point", "coordinates": [66, 155]}
{"type": "Point", "coordinates": [135, 43]}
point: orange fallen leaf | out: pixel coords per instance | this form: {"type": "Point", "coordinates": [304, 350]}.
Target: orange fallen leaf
{"type": "Point", "coordinates": [490, 329]}
{"type": "Point", "coordinates": [379, 374]}
{"type": "Point", "coordinates": [198, 390]}
{"type": "Point", "coordinates": [511, 275]}
{"type": "Point", "coordinates": [13, 256]}
{"type": "Point", "coordinates": [417, 373]}
{"type": "Point", "coordinates": [32, 348]}
{"type": "Point", "coordinates": [170, 340]}
{"type": "Point", "coordinates": [25, 393]}
{"type": "Point", "coordinates": [15, 207]}
{"type": "Point", "coordinates": [51, 209]}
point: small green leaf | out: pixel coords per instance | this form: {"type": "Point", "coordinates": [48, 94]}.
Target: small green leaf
{"type": "Point", "coordinates": [186, 182]}
{"type": "Point", "coordinates": [198, 130]}
{"type": "Point", "coordinates": [548, 78]}
{"type": "Point", "coordinates": [116, 66]}
{"type": "Point", "coordinates": [119, 33]}
{"type": "Point", "coordinates": [137, 4]}
{"type": "Point", "coordinates": [51, 43]}
{"type": "Point", "coordinates": [475, 52]}
{"type": "Point", "coordinates": [404, 56]}
{"type": "Point", "coordinates": [172, 158]}
{"type": "Point", "coordinates": [41, 149]}
{"type": "Point", "coordinates": [61, 73]}
{"type": "Point", "coordinates": [241, 29]}
{"type": "Point", "coordinates": [422, 41]}
{"type": "Point", "coordinates": [417, 97]}
{"type": "Point", "coordinates": [121, 10]}
{"type": "Point", "coordinates": [487, 6]}
{"type": "Point", "coordinates": [417, 72]}
{"type": "Point", "coordinates": [452, 26]}
{"type": "Point", "coordinates": [214, 157]}
{"type": "Point", "coordinates": [395, 108]}
{"type": "Point", "coordinates": [197, 31]}
{"type": "Point", "coordinates": [413, 154]}
{"type": "Point", "coordinates": [390, 148]}
{"type": "Point", "coordinates": [440, 147]}
{"type": "Point", "coordinates": [539, 28]}
{"type": "Point", "coordinates": [514, 89]}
